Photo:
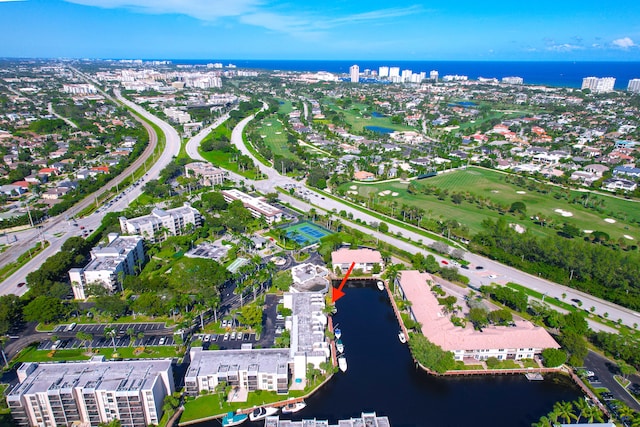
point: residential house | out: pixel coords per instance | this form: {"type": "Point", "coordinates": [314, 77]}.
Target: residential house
{"type": "Point", "coordinates": [364, 258]}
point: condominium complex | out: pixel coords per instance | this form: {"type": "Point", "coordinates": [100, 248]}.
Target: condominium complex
{"type": "Point", "coordinates": [354, 73]}
{"type": "Point", "coordinates": [161, 223]}
{"type": "Point", "coordinates": [634, 85]}
{"type": "Point", "coordinates": [207, 174]}
{"type": "Point", "coordinates": [90, 393]}
{"type": "Point", "coordinates": [599, 84]}
{"type": "Point", "coordinates": [433, 75]}
{"type": "Point", "coordinates": [383, 72]}
{"type": "Point", "coordinates": [256, 205]}
{"type": "Point", "coordinates": [250, 369]}
{"type": "Point", "coordinates": [80, 89]}
{"type": "Point", "coordinates": [523, 340]}
{"type": "Point", "coordinates": [119, 257]}
{"type": "Point", "coordinates": [513, 80]}
{"type": "Point", "coordinates": [365, 259]}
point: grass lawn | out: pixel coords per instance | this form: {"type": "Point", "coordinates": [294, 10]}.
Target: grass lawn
{"type": "Point", "coordinates": [506, 364]}
{"type": "Point", "coordinates": [460, 366]}
{"type": "Point", "coordinates": [226, 161]}
{"type": "Point", "coordinates": [354, 117]}
{"type": "Point", "coordinates": [210, 405]}
{"type": "Point", "coordinates": [539, 296]}
{"type": "Point", "coordinates": [491, 185]}
{"type": "Point", "coordinates": [275, 137]}
{"type": "Point", "coordinates": [32, 354]}
{"type": "Point", "coordinates": [529, 363]}
{"type": "Point", "coordinates": [285, 106]}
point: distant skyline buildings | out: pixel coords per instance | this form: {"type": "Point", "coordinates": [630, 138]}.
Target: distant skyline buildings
{"type": "Point", "coordinates": [599, 84]}
{"type": "Point", "coordinates": [354, 73]}
{"type": "Point", "coordinates": [634, 85]}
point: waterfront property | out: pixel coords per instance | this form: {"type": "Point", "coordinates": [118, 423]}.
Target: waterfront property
{"type": "Point", "coordinates": [120, 257]}
{"type": "Point", "coordinates": [207, 174]}
{"type": "Point", "coordinates": [364, 258]}
{"type": "Point", "coordinates": [256, 205]}
{"type": "Point", "coordinates": [160, 223]}
{"type": "Point", "coordinates": [248, 369]}
{"type": "Point", "coordinates": [521, 341]}
{"type": "Point", "coordinates": [306, 233]}
{"type": "Point", "coordinates": [89, 393]}
{"type": "Point", "coordinates": [309, 278]}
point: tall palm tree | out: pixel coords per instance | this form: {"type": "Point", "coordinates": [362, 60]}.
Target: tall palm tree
{"type": "Point", "coordinates": [111, 332]}
{"type": "Point", "coordinates": [582, 407]}
{"type": "Point", "coordinates": [565, 411]}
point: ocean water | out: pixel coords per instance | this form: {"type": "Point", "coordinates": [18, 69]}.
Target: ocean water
{"type": "Point", "coordinates": [560, 74]}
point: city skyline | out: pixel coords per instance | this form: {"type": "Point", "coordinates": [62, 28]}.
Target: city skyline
{"type": "Point", "coordinates": [254, 29]}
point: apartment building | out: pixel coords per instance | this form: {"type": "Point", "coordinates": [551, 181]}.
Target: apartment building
{"type": "Point", "coordinates": [521, 341]}
{"type": "Point", "coordinates": [634, 85]}
{"type": "Point", "coordinates": [161, 223]}
{"type": "Point", "coordinates": [92, 392]}
{"type": "Point", "coordinates": [256, 205]}
{"type": "Point", "coordinates": [119, 257]}
{"type": "Point", "coordinates": [599, 84]}
{"type": "Point", "coordinates": [250, 369]}
{"type": "Point", "coordinates": [207, 174]}
{"type": "Point", "coordinates": [354, 73]}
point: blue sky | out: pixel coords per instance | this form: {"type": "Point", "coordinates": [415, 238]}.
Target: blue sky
{"type": "Point", "coordinates": [329, 29]}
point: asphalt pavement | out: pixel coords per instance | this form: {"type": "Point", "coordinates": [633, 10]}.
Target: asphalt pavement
{"type": "Point", "coordinates": [604, 369]}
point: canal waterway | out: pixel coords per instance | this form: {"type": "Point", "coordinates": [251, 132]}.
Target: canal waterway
{"type": "Point", "coordinates": [382, 377]}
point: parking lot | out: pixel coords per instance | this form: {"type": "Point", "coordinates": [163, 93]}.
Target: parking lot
{"type": "Point", "coordinates": [226, 341]}
{"type": "Point", "coordinates": [98, 329]}
{"type": "Point", "coordinates": [121, 340]}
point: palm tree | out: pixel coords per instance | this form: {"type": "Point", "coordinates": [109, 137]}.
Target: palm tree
{"type": "Point", "coordinates": [111, 332]}
{"type": "Point", "coordinates": [543, 422]}
{"type": "Point", "coordinates": [564, 410]}
{"type": "Point", "coordinates": [593, 413]}
{"type": "Point", "coordinates": [582, 406]}
{"type": "Point", "coordinates": [132, 335]}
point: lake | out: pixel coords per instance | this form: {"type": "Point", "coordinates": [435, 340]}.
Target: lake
{"type": "Point", "coordinates": [379, 129]}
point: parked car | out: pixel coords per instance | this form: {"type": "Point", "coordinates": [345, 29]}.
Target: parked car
{"type": "Point", "coordinates": [206, 338]}
{"type": "Point", "coordinates": [233, 335]}
{"type": "Point", "coordinates": [162, 341]}
{"type": "Point", "coordinates": [226, 337]}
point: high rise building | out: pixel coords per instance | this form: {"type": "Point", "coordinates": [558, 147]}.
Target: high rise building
{"type": "Point", "coordinates": [433, 75]}
{"type": "Point", "coordinates": [354, 72]}
{"type": "Point", "coordinates": [599, 84]}
{"type": "Point", "coordinates": [394, 72]}
{"type": "Point", "coordinates": [513, 80]}
{"type": "Point", "coordinates": [634, 85]}
{"type": "Point", "coordinates": [383, 71]}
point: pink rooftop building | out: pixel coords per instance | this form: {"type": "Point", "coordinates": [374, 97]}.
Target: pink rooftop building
{"type": "Point", "coordinates": [522, 341]}
{"type": "Point", "coordinates": [364, 258]}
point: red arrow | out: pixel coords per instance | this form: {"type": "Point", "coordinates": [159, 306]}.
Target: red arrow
{"type": "Point", "coordinates": [337, 292]}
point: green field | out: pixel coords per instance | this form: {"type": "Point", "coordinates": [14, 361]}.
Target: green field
{"type": "Point", "coordinates": [226, 161]}
{"type": "Point", "coordinates": [285, 107]}
{"type": "Point", "coordinates": [491, 185]}
{"type": "Point", "coordinates": [275, 137]}
{"type": "Point", "coordinates": [354, 117]}
{"type": "Point", "coordinates": [32, 354]}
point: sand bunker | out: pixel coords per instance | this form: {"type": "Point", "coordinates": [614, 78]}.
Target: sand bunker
{"type": "Point", "coordinates": [394, 194]}
{"type": "Point", "coordinates": [521, 192]}
{"type": "Point", "coordinates": [352, 192]}
{"type": "Point", "coordinates": [588, 231]}
{"type": "Point", "coordinates": [269, 124]}
{"type": "Point", "coordinates": [263, 136]}
{"type": "Point", "coordinates": [278, 133]}
{"type": "Point", "coordinates": [610, 220]}
{"type": "Point", "coordinates": [563, 212]}
{"type": "Point", "coordinates": [353, 187]}
{"type": "Point", "coordinates": [518, 228]}
{"type": "Point", "coordinates": [384, 193]}
{"type": "Point", "coordinates": [494, 191]}
{"type": "Point", "coordinates": [626, 236]}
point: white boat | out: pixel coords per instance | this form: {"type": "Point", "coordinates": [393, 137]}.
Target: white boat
{"type": "Point", "coordinates": [337, 332]}
{"type": "Point", "coordinates": [262, 412]}
{"type": "Point", "coordinates": [380, 285]}
{"type": "Point", "coordinates": [232, 419]}
{"type": "Point", "coordinates": [401, 337]}
{"type": "Point", "coordinates": [342, 363]}
{"type": "Point", "coordinates": [339, 346]}
{"type": "Point", "coordinates": [290, 408]}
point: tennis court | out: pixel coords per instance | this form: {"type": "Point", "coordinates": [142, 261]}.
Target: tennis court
{"type": "Point", "coordinates": [306, 233]}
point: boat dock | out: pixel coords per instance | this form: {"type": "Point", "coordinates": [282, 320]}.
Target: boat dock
{"type": "Point", "coordinates": [534, 376]}
{"type": "Point", "coordinates": [367, 419]}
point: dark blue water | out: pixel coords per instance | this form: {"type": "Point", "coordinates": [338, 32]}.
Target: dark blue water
{"type": "Point", "coordinates": [379, 129]}
{"type": "Point", "coordinates": [381, 377]}
{"type": "Point", "coordinates": [376, 114]}
{"type": "Point", "coordinates": [557, 73]}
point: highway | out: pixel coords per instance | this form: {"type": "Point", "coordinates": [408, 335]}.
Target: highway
{"type": "Point", "coordinates": [57, 230]}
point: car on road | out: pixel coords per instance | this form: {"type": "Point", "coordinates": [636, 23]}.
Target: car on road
{"type": "Point", "coordinates": [479, 267]}
{"type": "Point", "coordinates": [21, 284]}
{"type": "Point", "coordinates": [445, 262]}
{"type": "Point", "coordinates": [493, 276]}
{"type": "Point", "coordinates": [464, 267]}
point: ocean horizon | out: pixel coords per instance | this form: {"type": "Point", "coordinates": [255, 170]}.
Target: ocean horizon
{"type": "Point", "coordinates": [548, 73]}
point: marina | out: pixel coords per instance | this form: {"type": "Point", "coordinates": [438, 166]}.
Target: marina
{"type": "Point", "coordinates": [370, 419]}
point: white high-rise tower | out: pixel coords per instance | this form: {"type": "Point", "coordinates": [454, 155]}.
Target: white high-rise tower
{"type": "Point", "coordinates": [354, 72]}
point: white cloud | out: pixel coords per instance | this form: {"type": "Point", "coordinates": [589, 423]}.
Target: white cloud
{"type": "Point", "coordinates": [564, 47]}
{"type": "Point", "coordinates": [624, 43]}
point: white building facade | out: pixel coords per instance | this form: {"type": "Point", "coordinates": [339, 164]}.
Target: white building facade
{"type": "Point", "coordinates": [162, 223]}
{"type": "Point", "coordinates": [256, 205]}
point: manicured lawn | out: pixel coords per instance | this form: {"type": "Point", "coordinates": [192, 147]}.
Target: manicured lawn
{"type": "Point", "coordinates": [226, 161]}
{"type": "Point", "coordinates": [209, 405]}
{"type": "Point", "coordinates": [460, 366]}
{"type": "Point", "coordinates": [285, 106]}
{"type": "Point", "coordinates": [275, 136]}
{"type": "Point", "coordinates": [491, 185]}
{"type": "Point", "coordinates": [32, 354]}
{"type": "Point", "coordinates": [507, 364]}
{"type": "Point", "coordinates": [529, 363]}
{"type": "Point", "coordinates": [354, 117]}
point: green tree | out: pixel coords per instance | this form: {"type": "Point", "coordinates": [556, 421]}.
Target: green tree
{"type": "Point", "coordinates": [11, 307]}
{"type": "Point", "coordinates": [553, 357]}
{"type": "Point", "coordinates": [251, 315]}
{"type": "Point", "coordinates": [44, 309]}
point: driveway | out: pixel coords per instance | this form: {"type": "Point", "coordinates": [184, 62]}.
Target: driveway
{"type": "Point", "coordinates": [605, 370]}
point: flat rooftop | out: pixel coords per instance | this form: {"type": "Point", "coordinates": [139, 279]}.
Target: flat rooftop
{"type": "Point", "coordinates": [210, 362]}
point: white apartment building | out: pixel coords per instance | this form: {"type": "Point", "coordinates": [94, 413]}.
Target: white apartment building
{"type": "Point", "coordinates": [354, 73]}
{"type": "Point", "coordinates": [634, 85]}
{"type": "Point", "coordinates": [599, 84]}
{"type": "Point", "coordinates": [364, 259]}
{"type": "Point", "coordinates": [90, 393]}
{"type": "Point", "coordinates": [394, 71]}
{"type": "Point", "coordinates": [455, 78]}
{"type": "Point", "coordinates": [161, 223]}
{"type": "Point", "coordinates": [121, 255]}
{"type": "Point", "coordinates": [176, 115]}
{"type": "Point", "coordinates": [406, 75]}
{"type": "Point", "coordinates": [250, 369]}
{"type": "Point", "coordinates": [433, 75]}
{"type": "Point", "coordinates": [79, 89]}
{"type": "Point", "coordinates": [256, 205]}
{"type": "Point", "coordinates": [513, 80]}
{"type": "Point", "coordinates": [207, 174]}
{"type": "Point", "coordinates": [383, 71]}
